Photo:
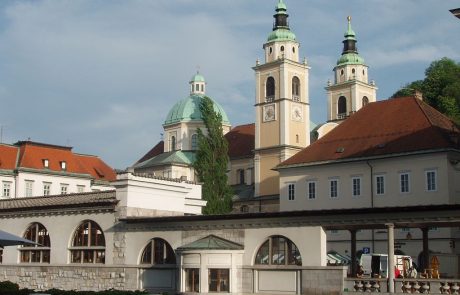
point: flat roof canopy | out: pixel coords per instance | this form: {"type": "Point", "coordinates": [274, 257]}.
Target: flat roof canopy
{"type": "Point", "coordinates": [340, 219]}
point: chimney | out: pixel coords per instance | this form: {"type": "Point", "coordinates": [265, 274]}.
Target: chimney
{"type": "Point", "coordinates": [418, 95]}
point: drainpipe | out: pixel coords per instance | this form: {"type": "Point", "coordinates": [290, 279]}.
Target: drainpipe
{"type": "Point", "coordinates": [372, 201]}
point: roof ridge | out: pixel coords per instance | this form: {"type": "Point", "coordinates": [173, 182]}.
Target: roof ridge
{"type": "Point", "coordinates": [419, 104]}
{"type": "Point", "coordinates": [56, 196]}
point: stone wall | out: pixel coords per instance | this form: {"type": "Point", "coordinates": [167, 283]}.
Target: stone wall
{"type": "Point", "coordinates": [323, 280]}
{"type": "Point", "coordinates": [71, 277]}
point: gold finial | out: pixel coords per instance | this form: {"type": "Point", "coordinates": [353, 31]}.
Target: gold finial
{"type": "Point", "coordinates": [349, 18]}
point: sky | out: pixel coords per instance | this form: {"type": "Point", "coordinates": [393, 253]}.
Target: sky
{"type": "Point", "coordinates": [101, 76]}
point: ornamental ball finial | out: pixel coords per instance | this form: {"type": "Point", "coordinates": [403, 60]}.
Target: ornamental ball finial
{"type": "Point", "coordinates": [349, 18]}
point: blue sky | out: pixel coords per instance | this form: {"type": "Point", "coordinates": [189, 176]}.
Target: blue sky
{"type": "Point", "coordinates": [101, 75]}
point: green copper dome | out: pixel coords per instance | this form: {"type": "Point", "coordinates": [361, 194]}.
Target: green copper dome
{"type": "Point", "coordinates": [281, 35]}
{"type": "Point", "coordinates": [188, 109]}
{"type": "Point", "coordinates": [350, 59]}
{"type": "Point", "coordinates": [197, 78]}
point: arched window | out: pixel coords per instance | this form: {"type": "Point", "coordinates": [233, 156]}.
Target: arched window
{"type": "Point", "coordinates": [173, 143]}
{"type": "Point", "coordinates": [39, 253]}
{"type": "Point", "coordinates": [270, 88]}
{"type": "Point", "coordinates": [365, 100]}
{"type": "Point", "coordinates": [278, 250]}
{"type": "Point", "coordinates": [296, 89]}
{"type": "Point", "coordinates": [342, 107]}
{"type": "Point", "coordinates": [158, 251]}
{"type": "Point", "coordinates": [194, 142]}
{"type": "Point", "coordinates": [88, 244]}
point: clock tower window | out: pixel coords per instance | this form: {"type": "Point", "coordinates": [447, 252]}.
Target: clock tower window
{"type": "Point", "coordinates": [295, 89]}
{"type": "Point", "coordinates": [342, 107]}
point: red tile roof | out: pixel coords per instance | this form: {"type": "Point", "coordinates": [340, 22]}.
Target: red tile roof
{"type": "Point", "coordinates": [241, 141]}
{"type": "Point", "coordinates": [394, 126]}
{"type": "Point", "coordinates": [155, 151]}
{"type": "Point", "coordinates": [97, 168]}
{"type": "Point", "coordinates": [30, 155]}
{"type": "Point", "coordinates": [8, 156]}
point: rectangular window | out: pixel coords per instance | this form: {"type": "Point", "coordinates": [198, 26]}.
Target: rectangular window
{"type": "Point", "coordinates": [46, 188]}
{"type": "Point", "coordinates": [219, 280]}
{"type": "Point", "coordinates": [291, 191]}
{"type": "Point", "coordinates": [80, 188]}
{"type": "Point", "coordinates": [356, 186]}
{"type": "Point", "coordinates": [311, 186]}
{"type": "Point", "coordinates": [192, 280]}
{"type": "Point", "coordinates": [431, 180]}
{"type": "Point", "coordinates": [7, 189]}
{"type": "Point", "coordinates": [333, 188]}
{"type": "Point", "coordinates": [404, 182]}
{"type": "Point", "coordinates": [380, 185]}
{"type": "Point", "coordinates": [64, 188]}
{"type": "Point", "coordinates": [29, 188]}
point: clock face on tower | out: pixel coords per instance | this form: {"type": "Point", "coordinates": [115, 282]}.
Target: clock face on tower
{"type": "Point", "coordinates": [296, 113]}
{"type": "Point", "coordinates": [269, 113]}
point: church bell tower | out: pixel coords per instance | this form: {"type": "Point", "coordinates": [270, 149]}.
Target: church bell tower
{"type": "Point", "coordinates": [351, 89]}
{"type": "Point", "coordinates": [281, 104]}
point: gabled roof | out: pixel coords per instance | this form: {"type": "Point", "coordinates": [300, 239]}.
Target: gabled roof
{"type": "Point", "coordinates": [155, 151]}
{"type": "Point", "coordinates": [394, 126]}
{"type": "Point", "coordinates": [211, 242]}
{"type": "Point", "coordinates": [241, 141]}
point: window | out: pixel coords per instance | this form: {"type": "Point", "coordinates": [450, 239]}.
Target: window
{"type": "Point", "coordinates": [88, 244]}
{"type": "Point", "coordinates": [192, 280]}
{"type": "Point", "coordinates": [270, 88]}
{"type": "Point", "coordinates": [194, 142]}
{"type": "Point", "coordinates": [80, 188]}
{"type": "Point", "coordinates": [1, 255]}
{"type": "Point", "coordinates": [244, 209]}
{"type": "Point", "coordinates": [380, 184]}
{"type": "Point", "coordinates": [365, 100]}
{"type": "Point", "coordinates": [219, 280]}
{"type": "Point", "coordinates": [46, 163]}
{"type": "Point", "coordinates": [241, 176]}
{"type": "Point", "coordinates": [431, 180]}
{"type": "Point", "coordinates": [173, 143]}
{"type": "Point", "coordinates": [29, 188]}
{"type": "Point", "coordinates": [282, 48]}
{"type": "Point", "coordinates": [46, 188]}
{"type": "Point", "coordinates": [39, 253]}
{"type": "Point", "coordinates": [342, 107]}
{"type": "Point", "coordinates": [202, 88]}
{"type": "Point", "coordinates": [356, 186]}
{"type": "Point", "coordinates": [64, 188]}
{"type": "Point", "coordinates": [333, 188]}
{"type": "Point", "coordinates": [296, 88]}
{"type": "Point", "coordinates": [291, 191]}
{"type": "Point", "coordinates": [7, 189]}
{"type": "Point", "coordinates": [404, 183]}
{"type": "Point", "coordinates": [63, 165]}
{"type": "Point", "coordinates": [197, 87]}
{"type": "Point", "coordinates": [158, 251]}
{"type": "Point", "coordinates": [311, 187]}
{"type": "Point", "coordinates": [276, 249]}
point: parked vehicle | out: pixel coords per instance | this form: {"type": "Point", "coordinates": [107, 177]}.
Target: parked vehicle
{"type": "Point", "coordinates": [376, 265]}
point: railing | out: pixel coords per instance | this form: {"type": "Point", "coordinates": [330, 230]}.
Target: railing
{"type": "Point", "coordinates": [269, 98]}
{"type": "Point", "coordinates": [411, 286]}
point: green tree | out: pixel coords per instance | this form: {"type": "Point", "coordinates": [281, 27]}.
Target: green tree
{"type": "Point", "coordinates": [211, 161]}
{"type": "Point", "coordinates": [440, 88]}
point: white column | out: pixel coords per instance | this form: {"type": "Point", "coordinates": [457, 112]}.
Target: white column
{"type": "Point", "coordinates": [391, 257]}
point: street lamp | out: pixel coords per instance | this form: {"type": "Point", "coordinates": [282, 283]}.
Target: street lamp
{"type": "Point", "coordinates": [456, 12]}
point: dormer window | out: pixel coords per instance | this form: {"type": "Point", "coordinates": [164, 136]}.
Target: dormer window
{"type": "Point", "coordinates": [63, 165]}
{"type": "Point", "coordinates": [46, 163]}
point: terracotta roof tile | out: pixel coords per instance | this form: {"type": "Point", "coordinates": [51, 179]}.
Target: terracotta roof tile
{"type": "Point", "coordinates": [8, 156]}
{"type": "Point", "coordinates": [241, 141]}
{"type": "Point", "coordinates": [392, 126]}
{"type": "Point", "coordinates": [96, 167]}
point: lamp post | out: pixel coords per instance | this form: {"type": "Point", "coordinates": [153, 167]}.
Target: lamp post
{"type": "Point", "coordinates": [456, 12]}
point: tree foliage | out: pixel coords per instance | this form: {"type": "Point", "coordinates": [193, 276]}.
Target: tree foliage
{"type": "Point", "coordinates": [211, 161]}
{"type": "Point", "coordinates": [440, 88]}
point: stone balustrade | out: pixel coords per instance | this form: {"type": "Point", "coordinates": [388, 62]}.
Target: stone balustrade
{"type": "Point", "coordinates": [413, 286]}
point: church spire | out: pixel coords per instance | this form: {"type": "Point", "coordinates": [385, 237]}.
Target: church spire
{"type": "Point", "coordinates": [349, 44]}
{"type": "Point", "coordinates": [281, 17]}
